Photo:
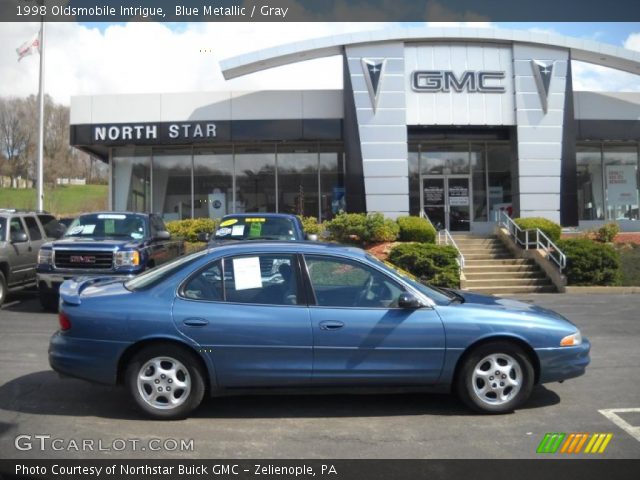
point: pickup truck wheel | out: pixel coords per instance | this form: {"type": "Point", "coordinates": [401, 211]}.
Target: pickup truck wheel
{"type": "Point", "coordinates": [495, 378]}
{"type": "Point", "coordinates": [49, 301]}
{"type": "Point", "coordinates": [3, 288]}
{"type": "Point", "coordinates": [166, 381]}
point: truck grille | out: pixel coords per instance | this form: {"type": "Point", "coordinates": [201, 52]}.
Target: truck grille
{"type": "Point", "coordinates": [85, 260]}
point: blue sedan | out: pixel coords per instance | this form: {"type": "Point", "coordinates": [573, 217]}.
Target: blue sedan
{"type": "Point", "coordinates": [301, 314]}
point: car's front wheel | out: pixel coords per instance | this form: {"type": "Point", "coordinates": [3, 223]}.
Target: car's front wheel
{"type": "Point", "coordinates": [495, 377]}
{"type": "Point", "coordinates": [166, 381]}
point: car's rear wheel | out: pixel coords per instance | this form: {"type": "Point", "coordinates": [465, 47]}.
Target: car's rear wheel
{"type": "Point", "coordinates": [495, 377]}
{"type": "Point", "coordinates": [166, 381]}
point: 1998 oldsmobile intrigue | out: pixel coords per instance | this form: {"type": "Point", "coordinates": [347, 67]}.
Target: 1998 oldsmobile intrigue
{"type": "Point", "coordinates": [296, 314]}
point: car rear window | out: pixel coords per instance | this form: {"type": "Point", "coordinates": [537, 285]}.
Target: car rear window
{"type": "Point", "coordinates": [256, 228]}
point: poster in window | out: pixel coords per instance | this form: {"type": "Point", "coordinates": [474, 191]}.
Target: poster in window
{"type": "Point", "coordinates": [622, 188]}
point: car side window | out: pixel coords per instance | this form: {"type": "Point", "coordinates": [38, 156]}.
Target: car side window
{"type": "Point", "coordinates": [15, 226]}
{"type": "Point", "coordinates": [270, 279]}
{"type": "Point", "coordinates": [206, 284]}
{"type": "Point", "coordinates": [339, 282]}
{"type": "Point", "coordinates": [34, 229]}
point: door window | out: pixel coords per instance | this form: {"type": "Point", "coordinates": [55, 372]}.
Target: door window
{"type": "Point", "coordinates": [340, 282]}
{"type": "Point", "coordinates": [16, 226]}
{"type": "Point", "coordinates": [34, 230]}
{"type": "Point", "coordinates": [268, 279]}
{"type": "Point", "coordinates": [206, 284]}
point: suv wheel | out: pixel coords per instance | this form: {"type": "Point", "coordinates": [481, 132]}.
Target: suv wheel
{"type": "Point", "coordinates": [3, 288]}
{"type": "Point", "coordinates": [49, 301]}
{"type": "Point", "coordinates": [496, 377]}
{"type": "Point", "coordinates": [166, 381]}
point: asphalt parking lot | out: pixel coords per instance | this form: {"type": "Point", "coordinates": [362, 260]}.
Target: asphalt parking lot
{"type": "Point", "coordinates": [35, 401]}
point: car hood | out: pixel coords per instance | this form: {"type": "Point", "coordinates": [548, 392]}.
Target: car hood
{"type": "Point", "coordinates": [475, 300]}
{"type": "Point", "coordinates": [97, 244]}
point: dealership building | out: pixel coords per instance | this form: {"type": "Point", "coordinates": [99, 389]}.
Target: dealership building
{"type": "Point", "coordinates": [458, 123]}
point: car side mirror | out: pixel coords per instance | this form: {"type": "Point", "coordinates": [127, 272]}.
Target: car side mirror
{"type": "Point", "coordinates": [163, 235]}
{"type": "Point", "coordinates": [203, 236]}
{"type": "Point", "coordinates": [408, 300]}
{"type": "Point", "coordinates": [312, 237]}
{"type": "Point", "coordinates": [18, 237]}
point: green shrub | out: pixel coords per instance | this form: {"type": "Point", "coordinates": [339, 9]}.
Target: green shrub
{"type": "Point", "coordinates": [416, 229]}
{"type": "Point", "coordinates": [188, 229]}
{"type": "Point", "coordinates": [359, 228]}
{"type": "Point", "coordinates": [433, 264]}
{"type": "Point", "coordinates": [550, 229]}
{"type": "Point", "coordinates": [311, 226]}
{"type": "Point", "coordinates": [607, 232]}
{"type": "Point", "coordinates": [630, 261]}
{"type": "Point", "coordinates": [379, 229]}
{"type": "Point", "coordinates": [590, 263]}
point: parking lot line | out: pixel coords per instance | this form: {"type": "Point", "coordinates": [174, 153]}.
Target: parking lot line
{"type": "Point", "coordinates": [10, 304]}
{"type": "Point", "coordinates": [611, 414]}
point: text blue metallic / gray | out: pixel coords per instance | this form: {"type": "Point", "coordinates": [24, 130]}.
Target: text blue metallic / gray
{"type": "Point", "coordinates": [304, 315]}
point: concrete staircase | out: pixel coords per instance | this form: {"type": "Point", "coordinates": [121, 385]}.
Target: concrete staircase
{"type": "Point", "coordinates": [491, 268]}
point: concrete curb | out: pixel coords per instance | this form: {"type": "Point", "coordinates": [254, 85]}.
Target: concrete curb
{"type": "Point", "coordinates": [610, 290]}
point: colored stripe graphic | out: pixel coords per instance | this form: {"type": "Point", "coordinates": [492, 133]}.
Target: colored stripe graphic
{"type": "Point", "coordinates": [598, 443]}
{"type": "Point", "coordinates": [550, 442]}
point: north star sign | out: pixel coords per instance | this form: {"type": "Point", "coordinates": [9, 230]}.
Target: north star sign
{"type": "Point", "coordinates": [173, 131]}
{"type": "Point", "coordinates": [446, 80]}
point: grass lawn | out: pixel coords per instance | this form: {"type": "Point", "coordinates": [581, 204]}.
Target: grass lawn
{"type": "Point", "coordinates": [63, 200]}
{"type": "Point", "coordinates": [630, 259]}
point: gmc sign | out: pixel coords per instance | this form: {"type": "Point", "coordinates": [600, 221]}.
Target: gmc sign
{"type": "Point", "coordinates": [446, 80]}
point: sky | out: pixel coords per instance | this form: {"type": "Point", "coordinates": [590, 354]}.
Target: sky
{"type": "Point", "coordinates": [92, 58]}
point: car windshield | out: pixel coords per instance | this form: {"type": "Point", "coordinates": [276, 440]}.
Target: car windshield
{"type": "Point", "coordinates": [256, 228]}
{"type": "Point", "coordinates": [436, 294]}
{"type": "Point", "coordinates": [108, 225]}
{"type": "Point", "coordinates": [155, 275]}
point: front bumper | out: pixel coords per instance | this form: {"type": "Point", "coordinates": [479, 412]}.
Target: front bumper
{"type": "Point", "coordinates": [562, 363]}
{"type": "Point", "coordinates": [93, 360]}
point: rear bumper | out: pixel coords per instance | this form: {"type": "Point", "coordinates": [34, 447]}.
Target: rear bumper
{"type": "Point", "coordinates": [562, 363]}
{"type": "Point", "coordinates": [94, 360]}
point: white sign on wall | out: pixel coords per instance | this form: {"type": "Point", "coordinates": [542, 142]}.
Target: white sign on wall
{"type": "Point", "coordinates": [621, 185]}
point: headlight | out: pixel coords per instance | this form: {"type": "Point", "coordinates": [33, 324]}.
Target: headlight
{"type": "Point", "coordinates": [571, 340]}
{"type": "Point", "coordinates": [126, 259]}
{"type": "Point", "coordinates": [45, 257]}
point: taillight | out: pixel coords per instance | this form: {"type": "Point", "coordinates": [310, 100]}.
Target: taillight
{"type": "Point", "coordinates": [65, 323]}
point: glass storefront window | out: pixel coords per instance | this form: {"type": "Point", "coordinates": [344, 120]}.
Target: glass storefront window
{"type": "Point", "coordinates": [621, 181]}
{"type": "Point", "coordinates": [414, 180]}
{"type": "Point", "coordinates": [255, 169]}
{"type": "Point", "coordinates": [172, 183]}
{"type": "Point", "coordinates": [479, 173]}
{"type": "Point", "coordinates": [445, 159]}
{"type": "Point", "coordinates": [298, 180]}
{"type": "Point", "coordinates": [499, 165]}
{"type": "Point", "coordinates": [590, 188]}
{"type": "Point", "coordinates": [212, 182]}
{"type": "Point", "coordinates": [131, 181]}
{"type": "Point", "coordinates": [332, 190]}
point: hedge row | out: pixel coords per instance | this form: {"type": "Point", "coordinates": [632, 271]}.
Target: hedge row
{"type": "Point", "coordinates": [433, 264]}
{"type": "Point", "coordinates": [591, 263]}
{"type": "Point", "coordinates": [360, 228]}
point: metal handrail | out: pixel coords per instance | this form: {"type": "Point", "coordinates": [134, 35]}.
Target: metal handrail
{"type": "Point", "coordinates": [448, 240]}
{"type": "Point", "coordinates": [542, 241]}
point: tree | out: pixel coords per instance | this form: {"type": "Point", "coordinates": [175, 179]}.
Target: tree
{"type": "Point", "coordinates": [15, 137]}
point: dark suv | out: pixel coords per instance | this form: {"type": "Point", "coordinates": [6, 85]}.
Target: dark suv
{"type": "Point", "coordinates": [21, 236]}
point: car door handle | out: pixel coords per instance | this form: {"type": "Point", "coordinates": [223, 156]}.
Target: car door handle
{"type": "Point", "coordinates": [331, 325]}
{"type": "Point", "coordinates": [196, 322]}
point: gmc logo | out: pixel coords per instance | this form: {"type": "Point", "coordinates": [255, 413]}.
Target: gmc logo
{"type": "Point", "coordinates": [82, 259]}
{"type": "Point", "coordinates": [446, 80]}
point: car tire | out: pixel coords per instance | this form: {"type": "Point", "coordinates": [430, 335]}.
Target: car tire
{"type": "Point", "coordinates": [495, 377]}
{"type": "Point", "coordinates": [3, 288]}
{"type": "Point", "coordinates": [166, 381]}
{"type": "Point", "coordinates": [49, 301]}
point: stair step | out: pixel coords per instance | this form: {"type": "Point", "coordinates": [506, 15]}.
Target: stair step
{"type": "Point", "coordinates": [485, 251]}
{"type": "Point", "coordinates": [495, 262]}
{"type": "Point", "coordinates": [487, 256]}
{"type": "Point", "coordinates": [513, 290]}
{"type": "Point", "coordinates": [480, 243]}
{"type": "Point", "coordinates": [511, 282]}
{"type": "Point", "coordinates": [504, 275]}
{"type": "Point", "coordinates": [492, 268]}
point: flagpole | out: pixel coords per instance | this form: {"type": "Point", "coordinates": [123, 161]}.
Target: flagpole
{"type": "Point", "coordinates": [40, 202]}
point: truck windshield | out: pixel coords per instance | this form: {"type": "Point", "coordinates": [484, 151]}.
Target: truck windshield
{"type": "Point", "coordinates": [108, 225]}
{"type": "Point", "coordinates": [256, 228]}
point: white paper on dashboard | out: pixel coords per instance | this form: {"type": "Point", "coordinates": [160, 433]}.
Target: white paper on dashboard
{"type": "Point", "coordinates": [237, 230]}
{"type": "Point", "coordinates": [246, 272]}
